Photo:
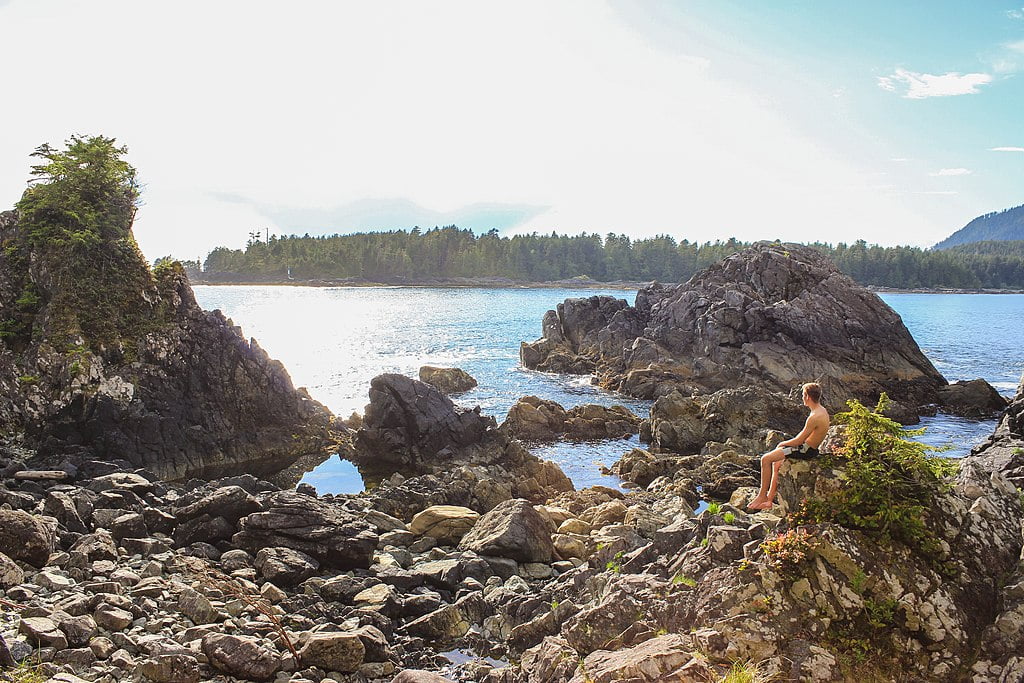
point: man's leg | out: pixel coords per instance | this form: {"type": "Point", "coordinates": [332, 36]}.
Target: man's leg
{"type": "Point", "coordinates": [768, 462]}
{"type": "Point", "coordinates": [775, 480]}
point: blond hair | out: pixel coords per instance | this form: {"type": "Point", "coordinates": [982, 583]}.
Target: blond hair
{"type": "Point", "coordinates": [812, 390]}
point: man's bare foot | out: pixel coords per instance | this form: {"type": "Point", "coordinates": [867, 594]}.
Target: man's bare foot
{"type": "Point", "coordinates": [760, 505]}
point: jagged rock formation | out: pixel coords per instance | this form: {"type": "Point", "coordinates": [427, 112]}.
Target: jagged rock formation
{"type": "Point", "coordinates": [157, 381]}
{"type": "Point", "coordinates": [1004, 449]}
{"type": "Point", "coordinates": [773, 317]}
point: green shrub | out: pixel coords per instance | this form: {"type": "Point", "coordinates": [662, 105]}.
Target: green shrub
{"type": "Point", "coordinates": [890, 481]}
{"type": "Point", "coordinates": [714, 508]}
{"type": "Point", "coordinates": [729, 518]}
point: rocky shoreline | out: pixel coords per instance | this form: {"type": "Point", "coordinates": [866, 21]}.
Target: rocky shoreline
{"type": "Point", "coordinates": [109, 573]}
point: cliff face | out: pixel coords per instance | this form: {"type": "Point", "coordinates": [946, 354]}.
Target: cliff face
{"type": "Point", "coordinates": [773, 316]}
{"type": "Point", "coordinates": [98, 353]}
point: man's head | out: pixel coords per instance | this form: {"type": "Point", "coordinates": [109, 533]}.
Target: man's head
{"type": "Point", "coordinates": [812, 392]}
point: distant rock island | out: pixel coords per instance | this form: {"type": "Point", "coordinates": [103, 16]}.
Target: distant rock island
{"type": "Point", "coordinates": [999, 226]}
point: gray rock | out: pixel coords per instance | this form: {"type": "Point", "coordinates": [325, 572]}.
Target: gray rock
{"type": "Point", "coordinates": [112, 618]}
{"type": "Point", "coordinates": [447, 380]}
{"type": "Point", "coordinates": [171, 668]}
{"type": "Point", "coordinates": [284, 566]}
{"type": "Point", "coordinates": [196, 607]}
{"type": "Point", "coordinates": [408, 423]}
{"type": "Point", "coordinates": [25, 537]}
{"type": "Point", "coordinates": [325, 531]}
{"type": "Point", "coordinates": [43, 632]}
{"type": "Point", "coordinates": [419, 676]}
{"type": "Point", "coordinates": [241, 656]}
{"type": "Point", "coordinates": [513, 529]}
{"type": "Point", "coordinates": [10, 573]}
{"type": "Point", "coordinates": [79, 630]}
{"type": "Point", "coordinates": [333, 651]}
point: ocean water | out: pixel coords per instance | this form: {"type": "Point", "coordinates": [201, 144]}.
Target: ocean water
{"type": "Point", "coordinates": [335, 340]}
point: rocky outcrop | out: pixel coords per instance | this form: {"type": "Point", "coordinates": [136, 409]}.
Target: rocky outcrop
{"type": "Point", "coordinates": [975, 398]}
{"type": "Point", "coordinates": [410, 426]}
{"type": "Point", "coordinates": [513, 529]}
{"type": "Point", "coordinates": [1004, 450]}
{"type": "Point", "coordinates": [450, 456]}
{"type": "Point", "coordinates": [685, 424]}
{"type": "Point", "coordinates": [163, 385]}
{"type": "Point", "coordinates": [447, 380]}
{"type": "Point", "coordinates": [772, 317]}
{"type": "Point", "coordinates": [536, 419]}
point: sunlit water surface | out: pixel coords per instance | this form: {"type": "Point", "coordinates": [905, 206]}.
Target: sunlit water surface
{"type": "Point", "coordinates": [335, 340]}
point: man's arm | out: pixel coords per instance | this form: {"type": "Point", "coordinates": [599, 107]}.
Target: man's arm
{"type": "Point", "coordinates": [799, 438]}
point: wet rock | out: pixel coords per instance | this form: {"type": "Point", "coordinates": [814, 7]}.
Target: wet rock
{"type": "Point", "coordinates": [445, 523]}
{"type": "Point", "coordinates": [328, 533]}
{"type": "Point", "coordinates": [447, 380]}
{"type": "Point", "coordinates": [25, 537]}
{"type": "Point", "coordinates": [241, 656]}
{"type": "Point", "coordinates": [536, 419]}
{"type": "Point", "coordinates": [513, 529]}
{"type": "Point", "coordinates": [974, 398]}
{"type": "Point", "coordinates": [333, 651]}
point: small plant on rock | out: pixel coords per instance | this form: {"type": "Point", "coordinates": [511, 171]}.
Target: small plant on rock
{"type": "Point", "coordinates": [786, 552]}
{"type": "Point", "coordinates": [729, 518]}
{"type": "Point", "coordinates": [890, 481]}
{"type": "Point", "coordinates": [745, 671]}
{"type": "Point", "coordinates": [714, 508]}
{"type": "Point", "coordinates": [682, 580]}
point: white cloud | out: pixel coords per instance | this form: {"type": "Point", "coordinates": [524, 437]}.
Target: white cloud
{"type": "Point", "coordinates": [917, 86]}
{"type": "Point", "coordinates": [1015, 13]}
{"type": "Point", "coordinates": [1007, 149]}
{"type": "Point", "coordinates": [951, 172]}
{"type": "Point", "coordinates": [899, 160]}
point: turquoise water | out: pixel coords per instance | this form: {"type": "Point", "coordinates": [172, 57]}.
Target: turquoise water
{"type": "Point", "coordinates": [335, 340]}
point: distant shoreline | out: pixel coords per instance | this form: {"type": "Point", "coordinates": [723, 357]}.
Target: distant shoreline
{"type": "Point", "coordinates": [501, 283]}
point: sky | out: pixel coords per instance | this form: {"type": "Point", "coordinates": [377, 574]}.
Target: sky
{"type": "Point", "coordinates": [807, 120]}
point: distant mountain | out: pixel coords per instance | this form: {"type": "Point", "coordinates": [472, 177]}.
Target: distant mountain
{"type": "Point", "coordinates": [999, 226]}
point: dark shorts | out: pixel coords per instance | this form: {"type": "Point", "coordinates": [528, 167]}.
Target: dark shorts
{"type": "Point", "coordinates": [801, 452]}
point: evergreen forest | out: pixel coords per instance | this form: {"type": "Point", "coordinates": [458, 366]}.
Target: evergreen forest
{"type": "Point", "coordinates": [450, 252]}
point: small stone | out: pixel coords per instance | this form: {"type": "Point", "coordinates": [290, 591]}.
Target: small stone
{"type": "Point", "coordinates": [102, 647]}
{"type": "Point", "coordinates": [445, 523]}
{"type": "Point", "coordinates": [284, 566]}
{"type": "Point", "coordinates": [272, 593]}
{"type": "Point", "coordinates": [79, 630]}
{"type": "Point", "coordinates": [53, 581]}
{"type": "Point", "coordinates": [171, 668]}
{"type": "Point", "coordinates": [196, 607]}
{"type": "Point", "coordinates": [10, 573]}
{"type": "Point", "coordinates": [112, 618]}
{"type": "Point", "coordinates": [77, 658]}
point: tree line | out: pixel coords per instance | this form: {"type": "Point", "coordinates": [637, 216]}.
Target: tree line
{"type": "Point", "coordinates": [451, 252]}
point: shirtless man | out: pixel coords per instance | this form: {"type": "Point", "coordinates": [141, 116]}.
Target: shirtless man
{"type": "Point", "coordinates": [803, 446]}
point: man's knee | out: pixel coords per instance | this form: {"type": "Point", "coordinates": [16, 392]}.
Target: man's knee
{"type": "Point", "coordinates": [772, 456]}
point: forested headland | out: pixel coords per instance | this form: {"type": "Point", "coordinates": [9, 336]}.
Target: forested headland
{"type": "Point", "coordinates": [451, 252]}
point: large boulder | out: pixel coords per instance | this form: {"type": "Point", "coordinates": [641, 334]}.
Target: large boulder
{"type": "Point", "coordinates": [25, 537]}
{"type": "Point", "coordinates": [123, 361]}
{"type": "Point", "coordinates": [772, 316]}
{"type": "Point", "coordinates": [325, 531]}
{"type": "Point", "coordinates": [447, 380]}
{"type": "Point", "coordinates": [411, 426]}
{"type": "Point", "coordinates": [975, 398]}
{"type": "Point", "coordinates": [444, 523]}
{"type": "Point", "coordinates": [513, 529]}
